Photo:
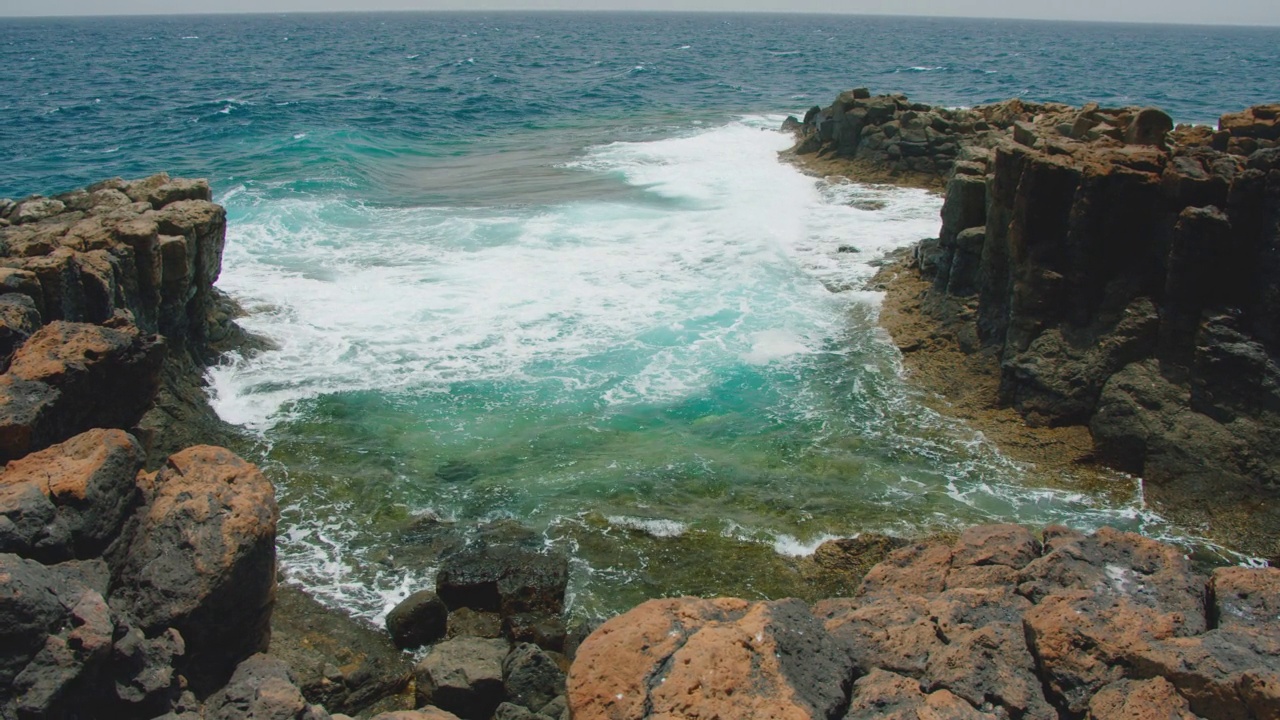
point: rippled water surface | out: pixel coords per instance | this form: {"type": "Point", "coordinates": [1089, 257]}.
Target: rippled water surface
{"type": "Point", "coordinates": [547, 269]}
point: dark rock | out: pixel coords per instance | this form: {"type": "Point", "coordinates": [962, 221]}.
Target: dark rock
{"type": "Point", "coordinates": [420, 619]}
{"type": "Point", "coordinates": [463, 676]}
{"type": "Point", "coordinates": [70, 377]}
{"type": "Point", "coordinates": [546, 631]}
{"type": "Point", "coordinates": [531, 678]}
{"type": "Point", "coordinates": [1149, 126]}
{"type": "Point", "coordinates": [465, 622]}
{"type": "Point", "coordinates": [55, 634]}
{"type": "Point", "coordinates": [19, 318]}
{"type": "Point", "coordinates": [339, 662]}
{"type": "Point", "coordinates": [70, 500]}
{"type": "Point", "coordinates": [262, 688]}
{"type": "Point", "coordinates": [203, 561]}
{"type": "Point", "coordinates": [143, 670]}
{"type": "Point", "coordinates": [504, 578]}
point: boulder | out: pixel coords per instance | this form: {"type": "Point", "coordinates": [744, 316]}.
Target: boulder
{"type": "Point", "coordinates": [262, 688]}
{"type": "Point", "coordinates": [203, 561]}
{"type": "Point", "coordinates": [531, 678]}
{"type": "Point", "coordinates": [70, 500]}
{"type": "Point", "coordinates": [463, 676]}
{"type": "Point", "coordinates": [35, 210]}
{"type": "Point", "coordinates": [70, 377]}
{"type": "Point", "coordinates": [507, 579]}
{"type": "Point", "coordinates": [55, 636]}
{"type": "Point", "coordinates": [420, 619]}
{"type": "Point", "coordinates": [19, 318]}
{"type": "Point", "coordinates": [1150, 126]}
{"type": "Point", "coordinates": [687, 657]}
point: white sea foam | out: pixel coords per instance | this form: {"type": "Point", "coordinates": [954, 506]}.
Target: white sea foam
{"type": "Point", "coordinates": [735, 258]}
{"type": "Point", "coordinates": [656, 527]}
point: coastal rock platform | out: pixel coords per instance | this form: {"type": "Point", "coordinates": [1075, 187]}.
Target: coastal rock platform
{"type": "Point", "coordinates": [998, 624]}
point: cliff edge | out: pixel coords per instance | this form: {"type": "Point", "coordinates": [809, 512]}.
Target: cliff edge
{"type": "Point", "coordinates": [1109, 271]}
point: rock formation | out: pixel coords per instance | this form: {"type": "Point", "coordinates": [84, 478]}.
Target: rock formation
{"type": "Point", "coordinates": [997, 624]}
{"type": "Point", "coordinates": [1122, 274]}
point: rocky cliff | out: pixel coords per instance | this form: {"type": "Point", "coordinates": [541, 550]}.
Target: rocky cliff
{"type": "Point", "coordinates": [1120, 273]}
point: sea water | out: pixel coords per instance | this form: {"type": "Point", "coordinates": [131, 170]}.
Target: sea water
{"type": "Point", "coordinates": [547, 271]}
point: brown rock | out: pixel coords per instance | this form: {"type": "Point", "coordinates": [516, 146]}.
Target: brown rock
{"type": "Point", "coordinates": [886, 696]}
{"type": "Point", "coordinates": [70, 377]}
{"type": "Point", "coordinates": [70, 500]}
{"type": "Point", "coordinates": [262, 688]}
{"type": "Point", "coordinates": [709, 658]}
{"type": "Point", "coordinates": [1153, 699]}
{"type": "Point", "coordinates": [463, 676]}
{"type": "Point", "coordinates": [203, 560]}
{"type": "Point", "coordinates": [1246, 599]}
{"type": "Point", "coordinates": [425, 713]}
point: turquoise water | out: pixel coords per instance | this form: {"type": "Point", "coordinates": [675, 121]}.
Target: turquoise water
{"type": "Point", "coordinates": [547, 269]}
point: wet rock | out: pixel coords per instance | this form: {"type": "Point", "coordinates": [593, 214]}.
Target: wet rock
{"type": "Point", "coordinates": [546, 631]}
{"type": "Point", "coordinates": [261, 688]}
{"type": "Point", "coordinates": [503, 578]}
{"type": "Point", "coordinates": [70, 377]}
{"type": "Point", "coordinates": [70, 500]}
{"type": "Point", "coordinates": [689, 657]}
{"type": "Point", "coordinates": [418, 620]}
{"type": "Point", "coordinates": [465, 622]}
{"type": "Point", "coordinates": [203, 561]}
{"type": "Point", "coordinates": [531, 677]}
{"type": "Point", "coordinates": [463, 676]}
{"type": "Point", "coordinates": [339, 662]}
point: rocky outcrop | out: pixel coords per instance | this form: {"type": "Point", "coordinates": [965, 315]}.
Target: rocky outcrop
{"type": "Point", "coordinates": [202, 561]}
{"type": "Point", "coordinates": [1120, 273]}
{"type": "Point", "coordinates": [112, 281]}
{"type": "Point", "coordinates": [998, 624]}
{"type": "Point", "coordinates": [123, 592]}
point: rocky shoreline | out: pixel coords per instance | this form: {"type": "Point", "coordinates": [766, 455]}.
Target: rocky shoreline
{"type": "Point", "coordinates": [137, 558]}
{"type": "Point", "coordinates": [1102, 290]}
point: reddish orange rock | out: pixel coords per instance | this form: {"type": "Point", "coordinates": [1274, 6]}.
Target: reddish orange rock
{"type": "Point", "coordinates": [203, 560]}
{"type": "Point", "coordinates": [69, 500]}
{"type": "Point", "coordinates": [691, 658]}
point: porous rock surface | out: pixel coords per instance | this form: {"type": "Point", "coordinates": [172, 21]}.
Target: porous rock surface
{"type": "Point", "coordinates": [997, 624]}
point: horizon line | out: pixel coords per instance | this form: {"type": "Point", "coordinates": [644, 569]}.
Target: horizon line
{"type": "Point", "coordinates": [593, 11]}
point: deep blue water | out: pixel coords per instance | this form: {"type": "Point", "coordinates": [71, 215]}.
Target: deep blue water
{"type": "Point", "coordinates": [383, 93]}
{"type": "Point", "coordinates": [549, 268]}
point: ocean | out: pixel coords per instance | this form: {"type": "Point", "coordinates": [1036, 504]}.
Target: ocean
{"type": "Point", "coordinates": [546, 272]}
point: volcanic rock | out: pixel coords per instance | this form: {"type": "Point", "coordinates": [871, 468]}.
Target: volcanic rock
{"type": "Point", "coordinates": [70, 500]}
{"type": "Point", "coordinates": [463, 676]}
{"type": "Point", "coordinates": [418, 620]}
{"type": "Point", "coordinates": [203, 561]}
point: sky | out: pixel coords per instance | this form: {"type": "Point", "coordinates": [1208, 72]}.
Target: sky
{"type": "Point", "coordinates": [1228, 12]}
